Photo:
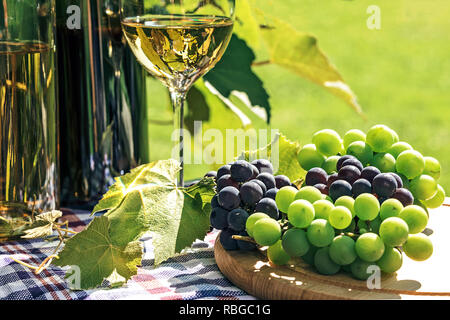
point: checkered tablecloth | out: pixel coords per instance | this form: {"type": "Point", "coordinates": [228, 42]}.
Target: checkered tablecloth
{"type": "Point", "coordinates": [191, 275]}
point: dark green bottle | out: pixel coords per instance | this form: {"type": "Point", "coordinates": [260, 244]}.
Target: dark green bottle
{"type": "Point", "coordinates": [102, 100]}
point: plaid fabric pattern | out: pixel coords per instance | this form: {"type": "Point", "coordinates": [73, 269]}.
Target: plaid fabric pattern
{"type": "Point", "coordinates": [192, 275]}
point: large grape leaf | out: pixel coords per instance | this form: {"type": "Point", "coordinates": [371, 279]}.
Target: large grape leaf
{"type": "Point", "coordinates": [298, 52]}
{"type": "Point", "coordinates": [145, 200]}
{"type": "Point", "coordinates": [194, 222]}
{"type": "Point", "coordinates": [282, 153]}
{"type": "Point", "coordinates": [233, 73]}
{"type": "Point", "coordinates": [97, 256]}
{"type": "Point", "coordinates": [159, 174]}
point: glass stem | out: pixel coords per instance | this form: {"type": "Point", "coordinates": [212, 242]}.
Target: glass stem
{"type": "Point", "coordinates": [178, 98]}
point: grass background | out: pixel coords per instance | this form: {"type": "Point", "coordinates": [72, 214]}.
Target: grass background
{"type": "Point", "coordinates": [400, 73]}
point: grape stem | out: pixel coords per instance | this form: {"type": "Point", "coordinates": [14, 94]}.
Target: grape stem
{"type": "Point", "coordinates": [243, 238]}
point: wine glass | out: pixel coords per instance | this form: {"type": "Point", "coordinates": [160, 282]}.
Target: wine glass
{"type": "Point", "coordinates": [178, 41]}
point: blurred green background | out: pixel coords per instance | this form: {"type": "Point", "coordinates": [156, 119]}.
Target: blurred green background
{"type": "Point", "coordinates": [400, 73]}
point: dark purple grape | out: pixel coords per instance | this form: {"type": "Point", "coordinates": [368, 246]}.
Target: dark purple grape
{"type": "Point", "coordinates": [269, 207]}
{"type": "Point", "coordinates": [214, 202]}
{"type": "Point", "coordinates": [241, 171]}
{"type": "Point", "coordinates": [322, 188]}
{"type": "Point", "coordinates": [226, 181]}
{"type": "Point", "coordinates": [229, 198]}
{"type": "Point", "coordinates": [361, 186]}
{"type": "Point", "coordinates": [223, 170]}
{"type": "Point", "coordinates": [250, 193]}
{"type": "Point", "coordinates": [261, 184]}
{"type": "Point", "coordinates": [245, 245]}
{"type": "Point", "coordinates": [397, 179]}
{"type": "Point", "coordinates": [282, 181]}
{"type": "Point", "coordinates": [349, 174]}
{"type": "Point", "coordinates": [381, 200]}
{"type": "Point", "coordinates": [332, 178]}
{"type": "Point", "coordinates": [315, 176]}
{"type": "Point", "coordinates": [263, 165]}
{"type": "Point", "coordinates": [219, 218]}
{"type": "Point", "coordinates": [267, 179]}
{"type": "Point", "coordinates": [255, 172]}
{"type": "Point", "coordinates": [339, 188]}
{"type": "Point", "coordinates": [212, 174]}
{"type": "Point", "coordinates": [228, 243]}
{"type": "Point", "coordinates": [353, 162]}
{"type": "Point", "coordinates": [271, 193]}
{"type": "Point", "coordinates": [341, 161]}
{"type": "Point", "coordinates": [237, 219]}
{"type": "Point", "coordinates": [384, 185]}
{"type": "Point", "coordinates": [404, 196]}
{"type": "Point", "coordinates": [369, 173]}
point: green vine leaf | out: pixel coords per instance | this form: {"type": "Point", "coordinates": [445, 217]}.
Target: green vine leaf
{"type": "Point", "coordinates": [283, 154]}
{"type": "Point", "coordinates": [145, 200]}
{"type": "Point", "coordinates": [233, 73]}
{"type": "Point", "coordinates": [195, 222]}
{"type": "Point", "coordinates": [298, 52]}
{"type": "Point", "coordinates": [98, 256]}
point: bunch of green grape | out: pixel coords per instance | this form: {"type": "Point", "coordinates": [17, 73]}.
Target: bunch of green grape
{"type": "Point", "coordinates": [364, 202]}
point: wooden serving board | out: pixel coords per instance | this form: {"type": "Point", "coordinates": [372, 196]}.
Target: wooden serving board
{"type": "Point", "coordinates": [428, 279]}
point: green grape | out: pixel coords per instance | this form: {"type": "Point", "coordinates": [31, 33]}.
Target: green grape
{"type": "Point", "coordinates": [342, 250]}
{"type": "Point", "coordinates": [384, 161]}
{"type": "Point", "coordinates": [394, 231]}
{"type": "Point", "coordinates": [328, 198]}
{"type": "Point", "coordinates": [405, 180]}
{"type": "Point", "coordinates": [295, 243]}
{"type": "Point", "coordinates": [398, 148]}
{"type": "Point", "coordinates": [432, 167]}
{"type": "Point", "coordinates": [322, 209]}
{"type": "Point", "coordinates": [380, 138]}
{"type": "Point", "coordinates": [330, 164]}
{"type": "Point", "coordinates": [391, 260]}
{"type": "Point", "coordinates": [348, 202]}
{"type": "Point", "coordinates": [390, 208]}
{"type": "Point", "coordinates": [422, 205]}
{"type": "Point", "coordinates": [418, 247]}
{"type": "Point", "coordinates": [367, 206]}
{"type": "Point", "coordinates": [309, 256]}
{"type": "Point", "coordinates": [323, 262]}
{"type": "Point", "coordinates": [369, 226]}
{"type": "Point", "coordinates": [285, 196]}
{"type": "Point", "coordinates": [252, 219]}
{"type": "Point", "coordinates": [416, 217]}
{"type": "Point", "coordinates": [351, 227]}
{"type": "Point", "coordinates": [360, 269]}
{"type": "Point", "coordinates": [340, 217]}
{"type": "Point", "coordinates": [375, 224]}
{"type": "Point", "coordinates": [266, 231]}
{"type": "Point", "coordinates": [277, 255]}
{"type": "Point", "coordinates": [352, 136]}
{"type": "Point", "coordinates": [327, 141]}
{"type": "Point", "coordinates": [437, 200]}
{"type": "Point", "coordinates": [410, 163]}
{"type": "Point", "coordinates": [362, 230]}
{"type": "Point", "coordinates": [395, 135]}
{"type": "Point", "coordinates": [346, 268]}
{"type": "Point", "coordinates": [362, 151]}
{"type": "Point", "coordinates": [320, 233]}
{"type": "Point", "coordinates": [301, 213]}
{"type": "Point", "coordinates": [309, 193]}
{"type": "Point", "coordinates": [369, 247]}
{"type": "Point", "coordinates": [423, 187]}
{"type": "Point", "coordinates": [309, 157]}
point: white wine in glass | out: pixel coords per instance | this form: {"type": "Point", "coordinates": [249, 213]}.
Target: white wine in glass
{"type": "Point", "coordinates": [179, 48]}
